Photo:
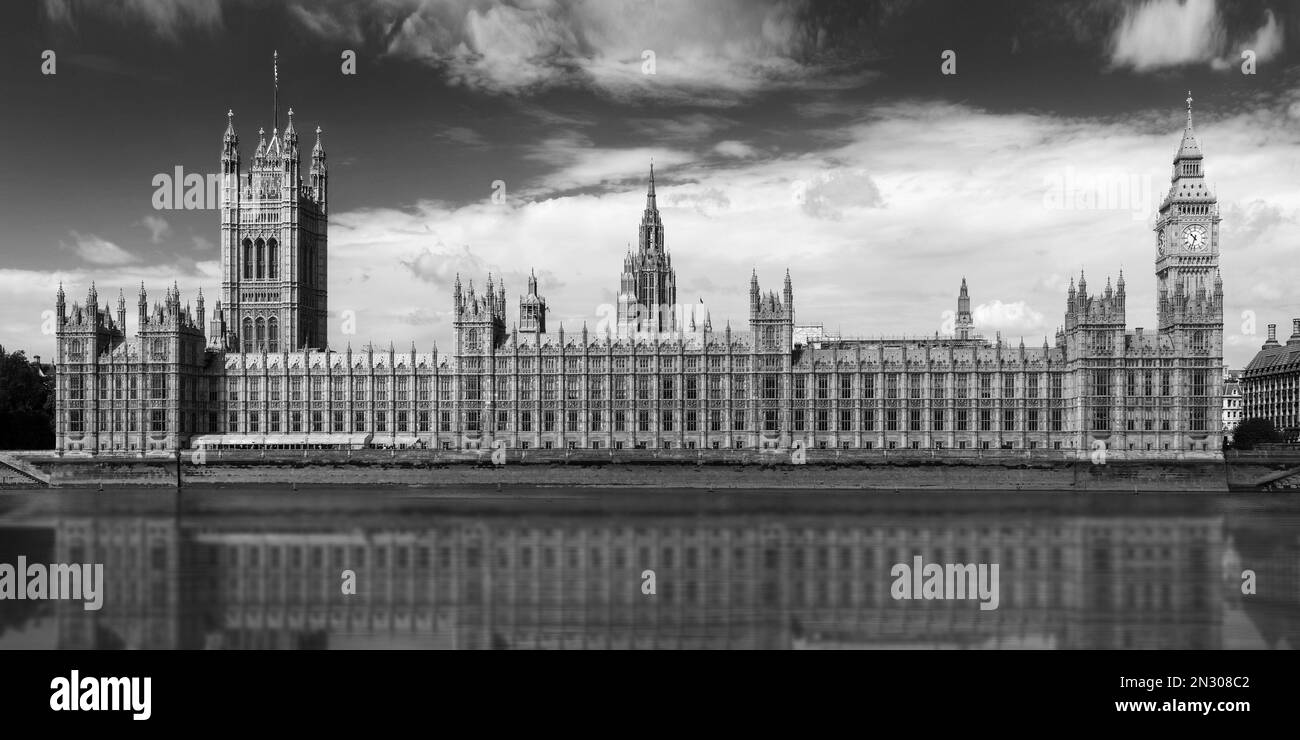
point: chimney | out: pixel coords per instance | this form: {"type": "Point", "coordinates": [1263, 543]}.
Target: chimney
{"type": "Point", "coordinates": [1272, 336]}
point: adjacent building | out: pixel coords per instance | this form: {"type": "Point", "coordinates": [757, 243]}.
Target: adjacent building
{"type": "Point", "coordinates": [1270, 384]}
{"type": "Point", "coordinates": [261, 374]}
{"type": "Point", "coordinates": [1233, 406]}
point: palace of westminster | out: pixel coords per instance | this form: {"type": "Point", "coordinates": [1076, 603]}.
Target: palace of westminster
{"type": "Point", "coordinates": [259, 372]}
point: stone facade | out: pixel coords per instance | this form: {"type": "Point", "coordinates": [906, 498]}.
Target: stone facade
{"type": "Point", "coordinates": [657, 376]}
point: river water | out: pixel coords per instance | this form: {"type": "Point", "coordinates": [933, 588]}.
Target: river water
{"type": "Point", "coordinates": [653, 569]}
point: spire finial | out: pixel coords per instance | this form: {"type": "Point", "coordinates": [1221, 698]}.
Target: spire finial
{"type": "Point", "coordinates": [275, 101]}
{"type": "Point", "coordinates": [1189, 109]}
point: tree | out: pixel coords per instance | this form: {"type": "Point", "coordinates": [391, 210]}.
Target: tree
{"type": "Point", "coordinates": [26, 404]}
{"type": "Point", "coordinates": [1254, 431]}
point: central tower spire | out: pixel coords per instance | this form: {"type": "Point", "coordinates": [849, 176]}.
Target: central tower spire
{"type": "Point", "coordinates": [652, 227]}
{"type": "Point", "coordinates": [650, 204]}
{"type": "Point", "coordinates": [648, 286]}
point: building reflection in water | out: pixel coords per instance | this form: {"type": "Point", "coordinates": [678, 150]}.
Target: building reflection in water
{"type": "Point", "coordinates": [1074, 578]}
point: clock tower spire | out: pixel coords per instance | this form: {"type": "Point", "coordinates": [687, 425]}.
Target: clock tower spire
{"type": "Point", "coordinates": [1187, 244]}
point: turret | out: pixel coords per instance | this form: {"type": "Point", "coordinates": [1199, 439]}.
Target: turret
{"type": "Point", "coordinates": [290, 140]}
{"type": "Point", "coordinates": [230, 146]}
{"type": "Point", "coordinates": [318, 174]}
{"type": "Point", "coordinates": [965, 323]}
{"type": "Point", "coordinates": [532, 309]}
{"type": "Point", "coordinates": [201, 316]}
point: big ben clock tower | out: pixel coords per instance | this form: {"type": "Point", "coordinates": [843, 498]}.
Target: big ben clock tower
{"type": "Point", "coordinates": [1187, 243]}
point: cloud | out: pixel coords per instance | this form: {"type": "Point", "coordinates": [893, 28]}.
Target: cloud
{"type": "Point", "coordinates": [99, 251]}
{"type": "Point", "coordinates": [158, 228]}
{"type": "Point", "coordinates": [688, 128]}
{"type": "Point", "coordinates": [705, 201]}
{"type": "Point", "coordinates": [576, 163]}
{"type": "Point", "coordinates": [1015, 318]}
{"type": "Point", "coordinates": [462, 136]}
{"type": "Point", "coordinates": [440, 268]}
{"type": "Point", "coordinates": [737, 149]}
{"type": "Point", "coordinates": [1268, 40]}
{"type": "Point", "coordinates": [1159, 34]}
{"type": "Point", "coordinates": [1246, 224]}
{"type": "Point", "coordinates": [827, 195]}
{"type": "Point", "coordinates": [715, 53]}
{"type": "Point", "coordinates": [165, 18]}
{"type": "Point", "coordinates": [334, 24]}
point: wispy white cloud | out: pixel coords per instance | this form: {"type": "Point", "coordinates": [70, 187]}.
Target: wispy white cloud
{"type": "Point", "coordinates": [737, 149]}
{"type": "Point", "coordinates": [1158, 34]}
{"type": "Point", "coordinates": [98, 251]}
{"type": "Point", "coordinates": [713, 53]}
{"type": "Point", "coordinates": [1013, 319]}
{"type": "Point", "coordinates": [158, 228]}
{"type": "Point", "coordinates": [1269, 39]}
{"type": "Point", "coordinates": [575, 163]}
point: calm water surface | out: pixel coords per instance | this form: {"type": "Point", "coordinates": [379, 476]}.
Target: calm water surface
{"type": "Point", "coordinates": [567, 568]}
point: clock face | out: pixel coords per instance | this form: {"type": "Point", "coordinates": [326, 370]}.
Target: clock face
{"type": "Point", "coordinates": [1195, 239]}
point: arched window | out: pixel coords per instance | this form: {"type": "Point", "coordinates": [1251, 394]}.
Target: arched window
{"type": "Point", "coordinates": [248, 259]}
{"type": "Point", "coordinates": [261, 259]}
{"type": "Point", "coordinates": [248, 335]}
{"type": "Point", "coordinates": [273, 260]}
{"type": "Point", "coordinates": [273, 331]}
{"type": "Point", "coordinates": [261, 333]}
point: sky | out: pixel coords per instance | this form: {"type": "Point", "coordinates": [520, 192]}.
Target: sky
{"type": "Point", "coordinates": [819, 137]}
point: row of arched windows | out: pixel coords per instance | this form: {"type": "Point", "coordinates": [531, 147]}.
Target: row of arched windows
{"type": "Point", "coordinates": [261, 260]}
{"type": "Point", "coordinates": [260, 333]}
